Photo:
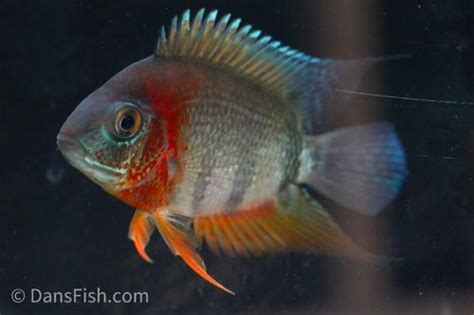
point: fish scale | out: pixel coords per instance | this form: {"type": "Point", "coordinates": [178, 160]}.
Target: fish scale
{"type": "Point", "coordinates": [237, 156]}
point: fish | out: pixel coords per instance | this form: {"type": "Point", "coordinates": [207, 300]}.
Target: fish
{"type": "Point", "coordinates": [219, 138]}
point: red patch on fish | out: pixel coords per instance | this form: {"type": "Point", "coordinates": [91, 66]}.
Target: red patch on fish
{"type": "Point", "coordinates": [163, 146]}
{"type": "Point", "coordinates": [169, 104]}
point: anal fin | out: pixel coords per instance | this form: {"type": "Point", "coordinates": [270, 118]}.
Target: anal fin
{"type": "Point", "coordinates": [291, 222]}
{"type": "Point", "coordinates": [179, 237]}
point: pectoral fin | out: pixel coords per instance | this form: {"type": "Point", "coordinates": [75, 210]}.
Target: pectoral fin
{"type": "Point", "coordinates": [177, 233]}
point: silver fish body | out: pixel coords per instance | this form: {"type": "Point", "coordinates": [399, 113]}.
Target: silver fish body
{"type": "Point", "coordinates": [243, 145]}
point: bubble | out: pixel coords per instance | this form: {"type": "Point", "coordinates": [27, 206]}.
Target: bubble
{"type": "Point", "coordinates": [55, 174]}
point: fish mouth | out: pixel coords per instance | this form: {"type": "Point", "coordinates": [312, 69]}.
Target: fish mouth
{"type": "Point", "coordinates": [79, 157]}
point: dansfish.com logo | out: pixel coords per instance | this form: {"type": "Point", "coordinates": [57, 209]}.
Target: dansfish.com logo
{"type": "Point", "coordinates": [78, 296]}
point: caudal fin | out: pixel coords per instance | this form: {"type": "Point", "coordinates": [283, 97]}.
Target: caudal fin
{"type": "Point", "coordinates": [361, 168]}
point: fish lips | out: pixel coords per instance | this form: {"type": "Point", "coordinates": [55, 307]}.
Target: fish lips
{"type": "Point", "coordinates": [79, 157]}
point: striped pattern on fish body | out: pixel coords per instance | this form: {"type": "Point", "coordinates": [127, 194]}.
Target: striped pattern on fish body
{"type": "Point", "coordinates": [242, 146]}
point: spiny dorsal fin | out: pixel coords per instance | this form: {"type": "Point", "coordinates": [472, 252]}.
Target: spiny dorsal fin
{"type": "Point", "coordinates": [239, 48]}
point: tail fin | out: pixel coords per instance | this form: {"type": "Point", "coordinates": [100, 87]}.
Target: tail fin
{"type": "Point", "coordinates": [361, 168]}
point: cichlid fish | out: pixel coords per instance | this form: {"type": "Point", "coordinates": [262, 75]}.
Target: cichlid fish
{"type": "Point", "coordinates": [212, 138]}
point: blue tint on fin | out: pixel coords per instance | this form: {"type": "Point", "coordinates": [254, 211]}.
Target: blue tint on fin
{"type": "Point", "coordinates": [299, 80]}
{"type": "Point", "coordinates": [361, 167]}
{"type": "Point", "coordinates": [318, 83]}
{"type": "Point", "coordinates": [306, 84]}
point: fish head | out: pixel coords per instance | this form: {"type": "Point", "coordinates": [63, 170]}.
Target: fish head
{"type": "Point", "coordinates": [106, 135]}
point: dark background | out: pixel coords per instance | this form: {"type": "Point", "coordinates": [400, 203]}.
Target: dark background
{"type": "Point", "coordinates": [58, 231]}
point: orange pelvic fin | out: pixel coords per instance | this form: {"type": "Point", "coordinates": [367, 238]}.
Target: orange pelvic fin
{"type": "Point", "coordinates": [140, 231]}
{"type": "Point", "coordinates": [292, 221]}
{"type": "Point", "coordinates": [177, 233]}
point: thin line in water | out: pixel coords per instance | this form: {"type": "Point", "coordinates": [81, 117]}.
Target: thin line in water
{"type": "Point", "coordinates": [405, 98]}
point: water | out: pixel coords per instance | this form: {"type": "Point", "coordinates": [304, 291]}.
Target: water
{"type": "Point", "coordinates": [60, 232]}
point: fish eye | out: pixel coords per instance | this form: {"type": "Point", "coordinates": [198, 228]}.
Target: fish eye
{"type": "Point", "coordinates": [127, 121]}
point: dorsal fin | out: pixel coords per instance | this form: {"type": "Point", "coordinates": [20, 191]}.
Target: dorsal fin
{"type": "Point", "coordinates": [305, 83]}
{"type": "Point", "coordinates": [241, 49]}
